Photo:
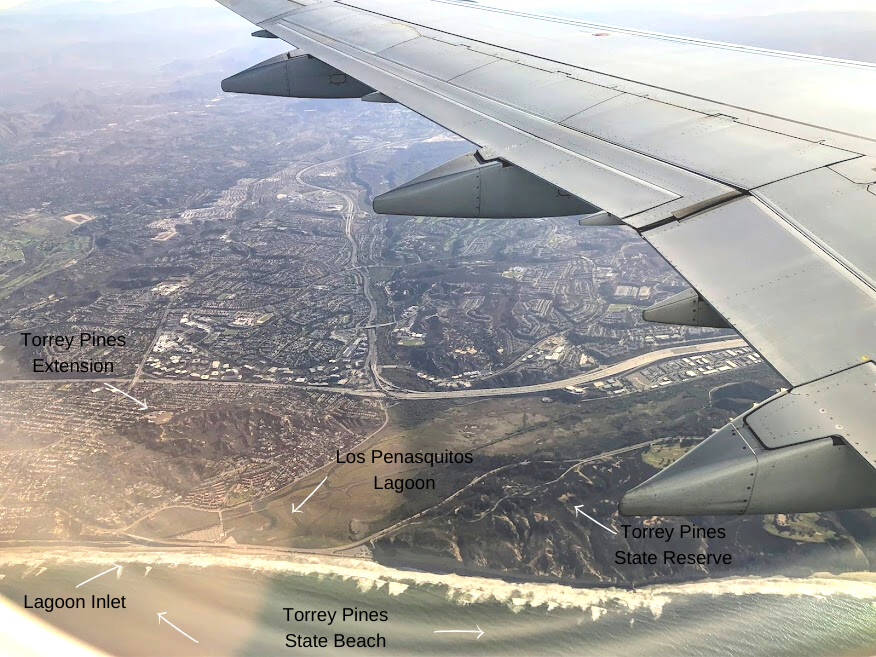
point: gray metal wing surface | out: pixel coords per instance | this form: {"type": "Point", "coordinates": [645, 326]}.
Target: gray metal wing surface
{"type": "Point", "coordinates": [751, 171]}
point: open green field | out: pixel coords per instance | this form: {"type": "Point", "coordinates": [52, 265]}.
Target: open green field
{"type": "Point", "coordinates": [44, 226]}
{"type": "Point", "coordinates": [662, 456]}
{"type": "Point", "coordinates": [10, 254]}
{"type": "Point", "coordinates": [48, 247]}
{"type": "Point", "coordinates": [802, 527]}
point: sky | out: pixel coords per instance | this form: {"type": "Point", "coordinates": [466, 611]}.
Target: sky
{"type": "Point", "coordinates": [694, 7]}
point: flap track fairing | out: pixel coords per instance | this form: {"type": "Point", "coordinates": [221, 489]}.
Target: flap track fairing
{"type": "Point", "coordinates": [295, 76]}
{"type": "Point", "coordinates": [687, 308]}
{"type": "Point", "coordinates": [471, 187]}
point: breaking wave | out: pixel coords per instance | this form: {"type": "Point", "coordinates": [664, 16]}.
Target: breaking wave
{"type": "Point", "coordinates": [463, 590]}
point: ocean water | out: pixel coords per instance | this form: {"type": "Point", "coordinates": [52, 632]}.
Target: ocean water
{"type": "Point", "coordinates": [234, 605]}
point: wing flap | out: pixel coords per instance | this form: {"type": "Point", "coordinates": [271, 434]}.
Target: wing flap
{"type": "Point", "coordinates": [443, 60]}
{"type": "Point", "coordinates": [550, 95]}
{"type": "Point", "coordinates": [714, 145]}
{"type": "Point", "coordinates": [838, 215]}
{"type": "Point", "coordinates": [789, 299]}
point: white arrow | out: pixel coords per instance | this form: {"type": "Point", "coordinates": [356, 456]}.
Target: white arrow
{"type": "Point", "coordinates": [592, 519]}
{"type": "Point", "coordinates": [478, 631]}
{"type": "Point", "coordinates": [297, 509]}
{"type": "Point", "coordinates": [115, 567]}
{"type": "Point", "coordinates": [143, 405]}
{"type": "Point", "coordinates": [162, 618]}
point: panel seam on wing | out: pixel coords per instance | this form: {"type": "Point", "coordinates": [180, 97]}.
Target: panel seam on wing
{"type": "Point", "coordinates": [299, 30]}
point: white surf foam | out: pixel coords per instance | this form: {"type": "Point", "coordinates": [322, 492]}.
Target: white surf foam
{"type": "Point", "coordinates": [462, 590]}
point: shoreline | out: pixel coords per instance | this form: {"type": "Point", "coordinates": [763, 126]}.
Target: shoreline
{"type": "Point", "coordinates": [438, 568]}
{"type": "Point", "coordinates": [423, 566]}
{"type": "Point", "coordinates": [458, 589]}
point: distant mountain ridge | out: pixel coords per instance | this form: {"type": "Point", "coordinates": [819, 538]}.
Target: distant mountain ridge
{"type": "Point", "coordinates": [96, 7]}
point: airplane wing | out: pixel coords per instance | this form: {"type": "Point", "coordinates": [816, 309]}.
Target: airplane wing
{"type": "Point", "coordinates": [751, 171]}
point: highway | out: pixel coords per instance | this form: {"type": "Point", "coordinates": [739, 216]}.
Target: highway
{"type": "Point", "coordinates": [382, 387]}
{"type": "Point", "coordinates": [617, 369]}
{"type": "Point", "coordinates": [624, 367]}
{"type": "Point", "coordinates": [362, 274]}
